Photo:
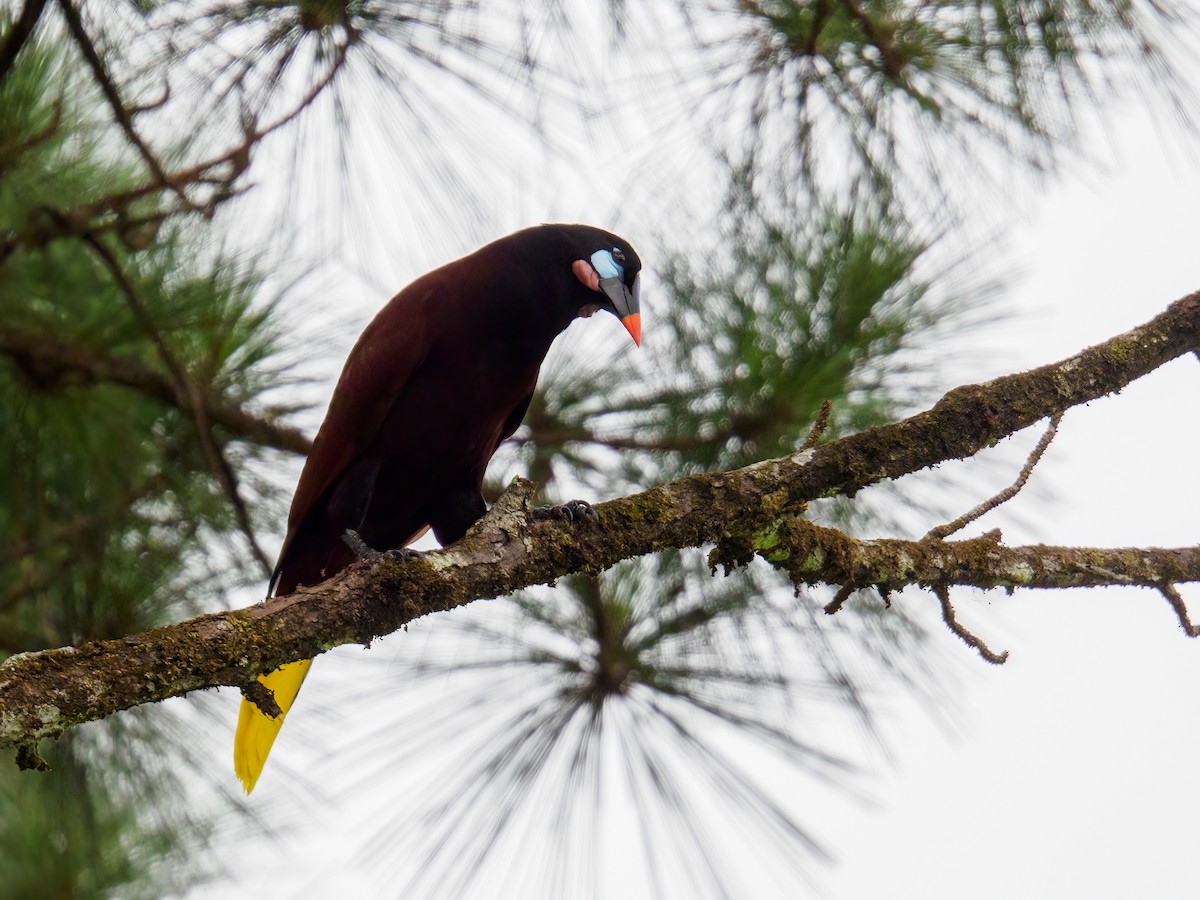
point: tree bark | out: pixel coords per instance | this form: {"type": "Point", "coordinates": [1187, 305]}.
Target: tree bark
{"type": "Point", "coordinates": [753, 511]}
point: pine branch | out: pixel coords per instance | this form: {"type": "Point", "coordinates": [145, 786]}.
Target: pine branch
{"type": "Point", "coordinates": [188, 393]}
{"type": "Point", "coordinates": [122, 113]}
{"type": "Point", "coordinates": [812, 554]}
{"type": "Point", "coordinates": [49, 360]}
{"type": "Point", "coordinates": [19, 33]}
{"type": "Point", "coordinates": [115, 212]}
{"type": "Point", "coordinates": [944, 531]}
{"type": "Point", "coordinates": [742, 512]}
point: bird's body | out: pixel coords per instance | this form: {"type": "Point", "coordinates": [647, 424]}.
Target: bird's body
{"type": "Point", "coordinates": [439, 378]}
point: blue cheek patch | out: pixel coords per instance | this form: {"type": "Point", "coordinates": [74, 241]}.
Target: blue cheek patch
{"type": "Point", "coordinates": [606, 266]}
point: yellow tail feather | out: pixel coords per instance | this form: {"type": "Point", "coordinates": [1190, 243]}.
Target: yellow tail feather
{"type": "Point", "coordinates": [256, 731]}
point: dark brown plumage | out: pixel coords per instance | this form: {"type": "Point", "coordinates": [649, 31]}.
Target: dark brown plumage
{"type": "Point", "coordinates": [440, 377]}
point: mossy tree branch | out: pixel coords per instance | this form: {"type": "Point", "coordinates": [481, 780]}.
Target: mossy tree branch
{"type": "Point", "coordinates": [811, 554]}
{"type": "Point", "coordinates": [749, 511]}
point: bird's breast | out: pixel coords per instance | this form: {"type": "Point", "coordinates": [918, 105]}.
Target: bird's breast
{"type": "Point", "coordinates": [445, 424]}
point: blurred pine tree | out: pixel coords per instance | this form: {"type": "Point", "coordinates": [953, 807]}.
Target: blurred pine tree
{"type": "Point", "coordinates": [138, 362]}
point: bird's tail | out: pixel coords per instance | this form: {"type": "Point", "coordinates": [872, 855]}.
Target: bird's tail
{"type": "Point", "coordinates": [256, 730]}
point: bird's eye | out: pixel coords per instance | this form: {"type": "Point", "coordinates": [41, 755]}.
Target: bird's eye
{"type": "Point", "coordinates": [607, 263]}
{"type": "Point", "coordinates": [618, 256]}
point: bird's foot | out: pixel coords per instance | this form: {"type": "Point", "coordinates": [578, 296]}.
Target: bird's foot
{"type": "Point", "coordinates": [363, 550]}
{"type": "Point", "coordinates": [571, 511]}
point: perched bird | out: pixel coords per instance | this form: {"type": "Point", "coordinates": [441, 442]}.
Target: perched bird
{"type": "Point", "coordinates": [440, 377]}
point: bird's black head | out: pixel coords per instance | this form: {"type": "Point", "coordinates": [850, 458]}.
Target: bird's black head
{"type": "Point", "coordinates": [606, 265]}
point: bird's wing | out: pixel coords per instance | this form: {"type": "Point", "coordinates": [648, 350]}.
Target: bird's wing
{"type": "Point", "coordinates": [376, 371]}
{"type": "Point", "coordinates": [513, 422]}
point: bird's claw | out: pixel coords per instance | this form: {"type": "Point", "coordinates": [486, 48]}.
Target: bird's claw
{"type": "Point", "coordinates": [403, 553]}
{"type": "Point", "coordinates": [363, 550]}
{"type": "Point", "coordinates": [571, 511]}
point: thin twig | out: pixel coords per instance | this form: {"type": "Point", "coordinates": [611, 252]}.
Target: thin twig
{"type": "Point", "coordinates": [152, 105]}
{"type": "Point", "coordinates": [944, 531]}
{"type": "Point", "coordinates": [81, 220]}
{"type": "Point", "coordinates": [107, 87]}
{"type": "Point", "coordinates": [943, 595]}
{"type": "Point", "coordinates": [819, 426]}
{"type": "Point", "coordinates": [262, 697]}
{"type": "Point", "coordinates": [307, 100]}
{"type": "Point", "coordinates": [1176, 600]}
{"type": "Point", "coordinates": [85, 218]}
{"type": "Point", "coordinates": [839, 599]}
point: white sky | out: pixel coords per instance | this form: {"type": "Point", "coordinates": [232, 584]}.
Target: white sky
{"type": "Point", "coordinates": [1077, 775]}
{"type": "Point", "coordinates": [1075, 772]}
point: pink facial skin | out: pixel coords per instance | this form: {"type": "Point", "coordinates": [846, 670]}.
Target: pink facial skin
{"type": "Point", "coordinates": [586, 274]}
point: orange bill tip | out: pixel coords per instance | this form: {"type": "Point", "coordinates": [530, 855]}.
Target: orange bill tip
{"type": "Point", "coordinates": [633, 324]}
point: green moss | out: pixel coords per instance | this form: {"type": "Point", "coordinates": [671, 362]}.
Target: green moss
{"type": "Point", "coordinates": [240, 622]}
{"type": "Point", "coordinates": [775, 503]}
{"type": "Point", "coordinates": [768, 538]}
{"type": "Point", "coordinates": [814, 562]}
{"type": "Point", "coordinates": [767, 544]}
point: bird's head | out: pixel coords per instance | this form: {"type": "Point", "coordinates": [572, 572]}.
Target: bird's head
{"type": "Point", "coordinates": [608, 267]}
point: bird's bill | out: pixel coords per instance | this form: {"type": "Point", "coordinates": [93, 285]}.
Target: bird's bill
{"type": "Point", "coordinates": [625, 304]}
{"type": "Point", "coordinates": [633, 324]}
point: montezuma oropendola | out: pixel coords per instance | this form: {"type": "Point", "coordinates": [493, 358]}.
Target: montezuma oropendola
{"type": "Point", "coordinates": [440, 377]}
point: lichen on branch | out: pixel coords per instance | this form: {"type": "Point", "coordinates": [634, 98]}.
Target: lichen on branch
{"type": "Point", "coordinates": [748, 512]}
